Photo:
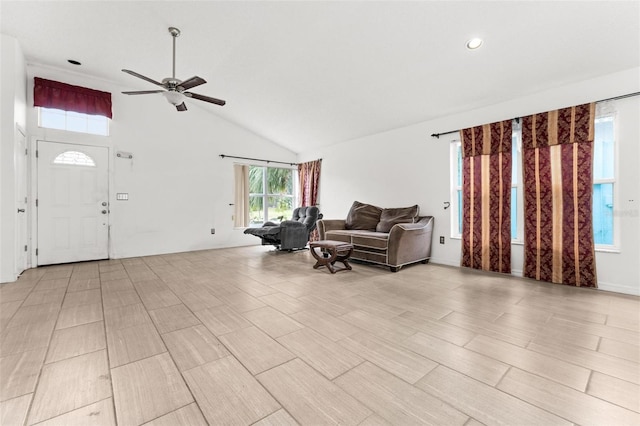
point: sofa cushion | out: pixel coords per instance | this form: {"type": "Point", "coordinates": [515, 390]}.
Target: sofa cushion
{"type": "Point", "coordinates": [373, 240]}
{"type": "Point", "coordinates": [390, 217]}
{"type": "Point", "coordinates": [360, 238]}
{"type": "Point", "coordinates": [363, 216]}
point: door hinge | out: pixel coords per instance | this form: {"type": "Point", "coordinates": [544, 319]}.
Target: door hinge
{"type": "Point", "coordinates": [36, 153]}
{"type": "Point", "coordinates": [26, 151]}
{"type": "Point", "coordinates": [25, 248]}
{"type": "Point", "coordinates": [36, 202]}
{"type": "Point", "coordinates": [36, 252]}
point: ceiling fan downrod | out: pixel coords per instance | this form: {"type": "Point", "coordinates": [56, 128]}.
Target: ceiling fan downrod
{"type": "Point", "coordinates": [174, 33]}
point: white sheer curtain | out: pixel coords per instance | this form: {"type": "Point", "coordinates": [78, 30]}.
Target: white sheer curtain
{"type": "Point", "coordinates": [241, 202]}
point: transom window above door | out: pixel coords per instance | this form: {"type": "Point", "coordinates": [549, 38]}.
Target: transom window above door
{"type": "Point", "coordinates": [73, 108]}
{"type": "Point", "coordinates": [73, 121]}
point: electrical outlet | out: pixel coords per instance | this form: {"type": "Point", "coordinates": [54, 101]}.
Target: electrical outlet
{"type": "Point", "coordinates": [213, 231]}
{"type": "Point", "coordinates": [441, 240]}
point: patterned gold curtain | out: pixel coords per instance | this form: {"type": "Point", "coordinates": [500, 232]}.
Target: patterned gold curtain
{"type": "Point", "coordinates": [557, 176]}
{"type": "Point", "coordinates": [486, 192]}
{"type": "Point", "coordinates": [309, 178]}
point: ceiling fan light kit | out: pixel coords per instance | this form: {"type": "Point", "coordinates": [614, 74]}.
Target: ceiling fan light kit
{"type": "Point", "coordinates": [174, 98]}
{"type": "Point", "coordinates": [175, 90]}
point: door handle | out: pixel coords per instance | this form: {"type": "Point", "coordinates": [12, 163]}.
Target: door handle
{"type": "Point", "coordinates": [104, 204]}
{"type": "Point", "coordinates": [104, 212]}
{"type": "Point", "coordinates": [20, 210]}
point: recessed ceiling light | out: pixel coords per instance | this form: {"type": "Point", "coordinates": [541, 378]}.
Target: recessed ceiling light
{"type": "Point", "coordinates": [474, 43]}
{"type": "Point", "coordinates": [73, 61]}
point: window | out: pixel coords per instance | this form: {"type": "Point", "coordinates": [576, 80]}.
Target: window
{"type": "Point", "coordinates": [74, 158]}
{"type": "Point", "coordinates": [517, 197]}
{"type": "Point", "coordinates": [604, 221]}
{"type": "Point", "coordinates": [604, 180]}
{"type": "Point", "coordinates": [271, 194]}
{"type": "Point", "coordinates": [73, 121]}
{"type": "Point", "coordinates": [516, 186]}
{"type": "Point", "coordinates": [456, 189]}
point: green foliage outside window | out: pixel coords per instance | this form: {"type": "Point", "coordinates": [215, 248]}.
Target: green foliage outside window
{"type": "Point", "coordinates": [271, 194]}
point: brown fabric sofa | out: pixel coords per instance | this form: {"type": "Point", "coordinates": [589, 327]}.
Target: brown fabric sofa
{"type": "Point", "coordinates": [389, 237]}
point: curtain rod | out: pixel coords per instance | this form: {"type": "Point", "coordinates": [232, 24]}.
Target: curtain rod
{"type": "Point", "coordinates": [628, 95]}
{"type": "Point", "coordinates": [260, 159]}
{"type": "Point", "coordinates": [257, 159]}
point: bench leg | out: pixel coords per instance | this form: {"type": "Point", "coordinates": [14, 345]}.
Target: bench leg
{"type": "Point", "coordinates": [344, 258]}
{"type": "Point", "coordinates": [325, 261]}
{"type": "Point", "coordinates": [329, 257]}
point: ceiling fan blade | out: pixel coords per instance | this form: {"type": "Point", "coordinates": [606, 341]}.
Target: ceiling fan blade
{"type": "Point", "coordinates": [143, 92]}
{"type": "Point", "coordinates": [181, 107]}
{"type": "Point", "coordinates": [204, 98]}
{"type": "Point", "coordinates": [135, 74]}
{"type": "Point", "coordinates": [192, 82]}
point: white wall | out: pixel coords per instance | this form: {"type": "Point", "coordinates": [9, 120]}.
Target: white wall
{"type": "Point", "coordinates": [12, 114]}
{"type": "Point", "coordinates": [407, 166]}
{"type": "Point", "coordinates": [179, 188]}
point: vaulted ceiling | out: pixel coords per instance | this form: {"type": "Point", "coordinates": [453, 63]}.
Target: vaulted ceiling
{"type": "Point", "coordinates": [306, 74]}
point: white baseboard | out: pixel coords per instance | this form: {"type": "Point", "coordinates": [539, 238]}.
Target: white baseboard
{"type": "Point", "coordinates": [8, 278]}
{"type": "Point", "coordinates": [516, 272]}
{"type": "Point", "coordinates": [444, 262]}
{"type": "Point", "coordinates": [617, 288]}
{"type": "Point", "coordinates": [603, 286]}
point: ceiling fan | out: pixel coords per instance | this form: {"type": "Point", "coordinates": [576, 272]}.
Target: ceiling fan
{"type": "Point", "coordinates": [173, 89]}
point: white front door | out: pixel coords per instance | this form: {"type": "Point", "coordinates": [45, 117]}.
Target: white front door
{"type": "Point", "coordinates": [22, 239]}
{"type": "Point", "coordinates": [73, 203]}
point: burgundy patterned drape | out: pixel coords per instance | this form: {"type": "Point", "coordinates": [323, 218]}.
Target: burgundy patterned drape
{"type": "Point", "coordinates": [309, 178]}
{"type": "Point", "coordinates": [557, 176]}
{"type": "Point", "coordinates": [486, 192]}
{"type": "Point", "coordinates": [53, 94]}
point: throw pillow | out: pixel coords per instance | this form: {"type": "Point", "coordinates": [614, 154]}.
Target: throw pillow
{"type": "Point", "coordinates": [390, 217]}
{"type": "Point", "coordinates": [363, 216]}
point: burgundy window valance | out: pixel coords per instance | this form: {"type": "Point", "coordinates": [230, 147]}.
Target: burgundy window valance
{"type": "Point", "coordinates": [53, 94]}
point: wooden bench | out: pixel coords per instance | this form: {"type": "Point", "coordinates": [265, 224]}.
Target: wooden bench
{"type": "Point", "coordinates": [329, 252]}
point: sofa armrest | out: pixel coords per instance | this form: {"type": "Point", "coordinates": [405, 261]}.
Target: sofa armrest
{"type": "Point", "coordinates": [325, 225]}
{"type": "Point", "coordinates": [410, 242]}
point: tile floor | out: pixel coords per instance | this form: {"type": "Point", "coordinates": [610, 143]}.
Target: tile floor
{"type": "Point", "coordinates": [252, 336]}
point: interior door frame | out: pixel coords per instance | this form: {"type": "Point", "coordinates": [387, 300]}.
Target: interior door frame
{"type": "Point", "coordinates": [26, 175]}
{"type": "Point", "coordinates": [80, 139]}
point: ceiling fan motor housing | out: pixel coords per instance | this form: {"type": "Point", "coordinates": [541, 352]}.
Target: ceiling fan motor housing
{"type": "Point", "coordinates": [171, 83]}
